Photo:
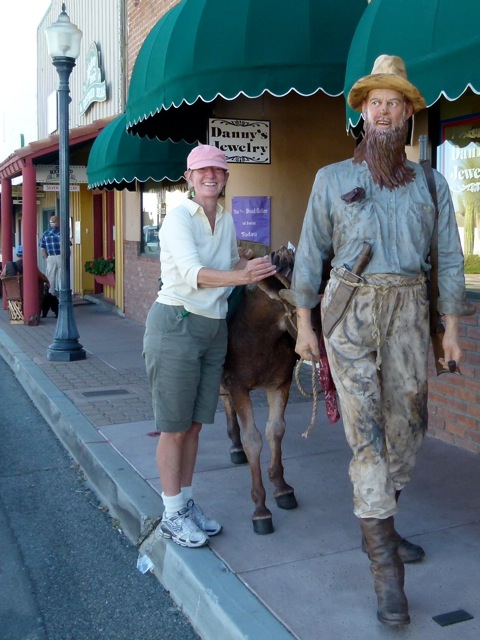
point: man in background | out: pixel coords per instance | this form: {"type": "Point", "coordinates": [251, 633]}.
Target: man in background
{"type": "Point", "coordinates": [50, 248]}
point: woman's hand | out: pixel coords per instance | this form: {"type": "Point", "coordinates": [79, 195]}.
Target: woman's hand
{"type": "Point", "coordinates": [258, 269]}
{"type": "Point", "coordinates": [244, 272]}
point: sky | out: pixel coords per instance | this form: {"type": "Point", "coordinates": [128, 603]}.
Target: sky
{"type": "Point", "coordinates": [18, 55]}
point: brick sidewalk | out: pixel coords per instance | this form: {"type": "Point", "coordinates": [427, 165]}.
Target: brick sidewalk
{"type": "Point", "coordinates": [104, 394]}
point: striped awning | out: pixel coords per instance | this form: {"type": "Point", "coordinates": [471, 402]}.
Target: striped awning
{"type": "Point", "coordinates": [118, 158]}
{"type": "Point", "coordinates": [439, 40]}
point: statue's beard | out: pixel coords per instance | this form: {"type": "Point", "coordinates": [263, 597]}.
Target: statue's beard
{"type": "Point", "coordinates": [384, 153]}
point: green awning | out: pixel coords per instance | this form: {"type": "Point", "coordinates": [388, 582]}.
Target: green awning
{"type": "Point", "coordinates": [117, 158]}
{"type": "Point", "coordinates": [203, 49]}
{"type": "Point", "coordinates": [439, 41]}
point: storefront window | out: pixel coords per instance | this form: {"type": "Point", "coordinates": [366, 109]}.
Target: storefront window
{"type": "Point", "coordinates": [156, 202]}
{"type": "Point", "coordinates": [458, 159]}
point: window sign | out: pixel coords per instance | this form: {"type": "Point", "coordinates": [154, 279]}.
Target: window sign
{"type": "Point", "coordinates": [458, 159]}
{"type": "Point", "coordinates": [251, 215]}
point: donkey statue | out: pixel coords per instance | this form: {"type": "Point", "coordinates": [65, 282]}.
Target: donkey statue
{"type": "Point", "coordinates": [261, 354]}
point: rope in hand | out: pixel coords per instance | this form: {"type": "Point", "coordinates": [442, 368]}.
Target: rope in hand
{"type": "Point", "coordinates": [306, 394]}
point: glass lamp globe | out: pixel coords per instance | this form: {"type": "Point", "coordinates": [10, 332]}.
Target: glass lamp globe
{"type": "Point", "coordinates": [63, 37]}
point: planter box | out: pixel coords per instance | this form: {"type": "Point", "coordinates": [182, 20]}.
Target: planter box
{"type": "Point", "coordinates": [108, 279]}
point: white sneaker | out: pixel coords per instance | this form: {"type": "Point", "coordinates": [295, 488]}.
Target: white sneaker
{"type": "Point", "coordinates": [209, 526]}
{"type": "Point", "coordinates": [183, 530]}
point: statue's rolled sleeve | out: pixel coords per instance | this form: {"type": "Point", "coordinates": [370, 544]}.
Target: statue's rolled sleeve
{"type": "Point", "coordinates": [314, 247]}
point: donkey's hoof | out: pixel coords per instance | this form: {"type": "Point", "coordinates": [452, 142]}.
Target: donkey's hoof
{"type": "Point", "coordinates": [263, 526]}
{"type": "Point", "coordinates": [237, 456]}
{"type": "Point", "coordinates": [286, 501]}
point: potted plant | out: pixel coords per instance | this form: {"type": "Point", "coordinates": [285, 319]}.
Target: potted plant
{"type": "Point", "coordinates": [103, 269]}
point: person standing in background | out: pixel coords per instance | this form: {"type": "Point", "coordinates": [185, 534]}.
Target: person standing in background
{"type": "Point", "coordinates": [13, 268]}
{"type": "Point", "coordinates": [50, 248]}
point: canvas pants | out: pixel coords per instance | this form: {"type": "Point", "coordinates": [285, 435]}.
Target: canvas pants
{"type": "Point", "coordinates": [379, 356]}
{"type": "Point", "coordinates": [53, 271]}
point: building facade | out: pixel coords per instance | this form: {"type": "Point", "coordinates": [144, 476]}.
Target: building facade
{"type": "Point", "coordinates": [305, 130]}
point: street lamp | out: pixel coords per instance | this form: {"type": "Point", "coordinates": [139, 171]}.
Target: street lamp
{"type": "Point", "coordinates": [63, 42]}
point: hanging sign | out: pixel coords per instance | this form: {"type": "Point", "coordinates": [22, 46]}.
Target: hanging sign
{"type": "Point", "coordinates": [56, 187]}
{"type": "Point", "coordinates": [94, 87]}
{"type": "Point", "coordinates": [241, 140]}
{"type": "Point", "coordinates": [50, 173]}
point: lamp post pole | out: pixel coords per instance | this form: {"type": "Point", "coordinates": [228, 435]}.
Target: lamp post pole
{"type": "Point", "coordinates": [65, 346]}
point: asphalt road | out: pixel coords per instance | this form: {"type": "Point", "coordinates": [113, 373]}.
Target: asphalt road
{"type": "Point", "coordinates": [67, 572]}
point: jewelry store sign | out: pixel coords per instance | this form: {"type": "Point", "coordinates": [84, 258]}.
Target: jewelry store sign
{"type": "Point", "coordinates": [242, 141]}
{"type": "Point", "coordinates": [458, 159]}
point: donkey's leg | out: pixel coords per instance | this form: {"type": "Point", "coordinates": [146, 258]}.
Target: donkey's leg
{"type": "Point", "coordinates": [237, 454]}
{"type": "Point", "coordinates": [252, 444]}
{"type": "Point", "coordinates": [277, 401]}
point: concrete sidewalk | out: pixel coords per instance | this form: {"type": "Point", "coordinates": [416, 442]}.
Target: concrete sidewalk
{"type": "Point", "coordinates": [309, 579]}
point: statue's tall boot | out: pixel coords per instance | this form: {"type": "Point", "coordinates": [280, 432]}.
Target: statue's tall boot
{"type": "Point", "coordinates": [407, 551]}
{"type": "Point", "coordinates": [387, 570]}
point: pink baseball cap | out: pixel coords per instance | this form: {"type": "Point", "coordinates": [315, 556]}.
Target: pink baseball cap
{"type": "Point", "coordinates": [206, 155]}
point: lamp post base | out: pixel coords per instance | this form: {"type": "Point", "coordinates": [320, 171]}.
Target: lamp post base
{"type": "Point", "coordinates": [71, 353]}
{"type": "Point", "coordinates": [65, 346]}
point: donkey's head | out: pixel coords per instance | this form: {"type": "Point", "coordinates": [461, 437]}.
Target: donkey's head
{"type": "Point", "coordinates": [284, 260]}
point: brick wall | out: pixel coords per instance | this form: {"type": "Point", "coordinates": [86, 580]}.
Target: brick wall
{"type": "Point", "coordinates": [140, 282]}
{"type": "Point", "coordinates": [454, 401]}
{"type": "Point", "coordinates": [140, 272]}
{"type": "Point", "coordinates": [142, 16]}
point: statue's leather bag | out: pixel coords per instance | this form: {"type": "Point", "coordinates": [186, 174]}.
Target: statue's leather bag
{"type": "Point", "coordinates": [344, 293]}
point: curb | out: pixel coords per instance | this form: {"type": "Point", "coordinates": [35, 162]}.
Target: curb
{"type": "Point", "coordinates": [127, 495]}
{"type": "Point", "coordinates": [218, 604]}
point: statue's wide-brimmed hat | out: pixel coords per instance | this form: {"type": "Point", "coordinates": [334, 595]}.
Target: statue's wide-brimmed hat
{"type": "Point", "coordinates": [388, 73]}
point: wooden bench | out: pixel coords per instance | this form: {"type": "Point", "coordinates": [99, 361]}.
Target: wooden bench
{"type": "Point", "coordinates": [13, 294]}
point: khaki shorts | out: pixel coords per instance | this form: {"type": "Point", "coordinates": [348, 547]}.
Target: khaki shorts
{"type": "Point", "coordinates": [184, 355]}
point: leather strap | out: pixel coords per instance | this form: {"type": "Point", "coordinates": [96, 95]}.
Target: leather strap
{"type": "Point", "coordinates": [434, 328]}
